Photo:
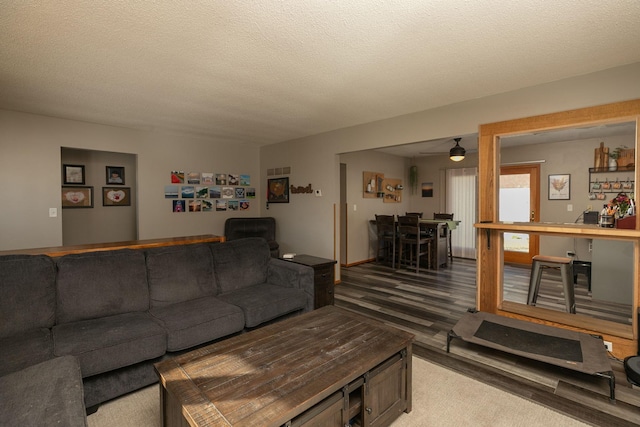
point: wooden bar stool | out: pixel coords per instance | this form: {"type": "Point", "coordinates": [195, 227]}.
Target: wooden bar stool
{"type": "Point", "coordinates": [540, 262]}
{"type": "Point", "coordinates": [386, 230]}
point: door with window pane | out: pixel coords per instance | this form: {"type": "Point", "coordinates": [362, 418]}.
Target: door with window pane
{"type": "Point", "coordinates": [520, 202]}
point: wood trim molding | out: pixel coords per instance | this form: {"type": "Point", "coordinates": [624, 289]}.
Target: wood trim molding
{"type": "Point", "coordinates": [490, 230]}
{"type": "Point", "coordinates": [58, 251]}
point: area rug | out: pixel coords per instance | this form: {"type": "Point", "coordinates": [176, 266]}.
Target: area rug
{"type": "Point", "coordinates": [441, 398]}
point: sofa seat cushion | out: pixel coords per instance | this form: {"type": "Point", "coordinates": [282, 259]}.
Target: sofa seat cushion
{"type": "Point", "coordinates": [47, 394]}
{"type": "Point", "coordinates": [265, 302]}
{"type": "Point", "coordinates": [197, 321]}
{"type": "Point", "coordinates": [25, 349]}
{"type": "Point", "coordinates": [110, 342]}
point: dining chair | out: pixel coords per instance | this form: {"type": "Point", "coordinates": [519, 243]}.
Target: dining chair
{"type": "Point", "coordinates": [446, 216]}
{"type": "Point", "coordinates": [418, 214]}
{"type": "Point", "coordinates": [413, 242]}
{"type": "Point", "coordinates": [386, 232]}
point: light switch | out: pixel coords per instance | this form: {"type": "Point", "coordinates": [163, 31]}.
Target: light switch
{"type": "Point", "coordinates": [53, 212]}
{"type": "Point", "coordinates": [569, 207]}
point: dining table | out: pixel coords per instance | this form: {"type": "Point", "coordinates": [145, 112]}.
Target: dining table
{"type": "Point", "coordinates": [442, 228]}
{"type": "Point", "coordinates": [452, 224]}
{"type": "Point", "coordinates": [441, 246]}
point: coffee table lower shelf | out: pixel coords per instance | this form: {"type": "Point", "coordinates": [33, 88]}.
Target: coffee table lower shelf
{"type": "Point", "coordinates": [328, 367]}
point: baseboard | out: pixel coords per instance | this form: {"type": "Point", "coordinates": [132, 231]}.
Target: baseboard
{"type": "Point", "coordinates": [352, 264]}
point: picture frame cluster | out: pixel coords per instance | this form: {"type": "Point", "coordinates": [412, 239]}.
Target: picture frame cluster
{"type": "Point", "coordinates": [75, 194]}
{"type": "Point", "coordinates": [209, 192]}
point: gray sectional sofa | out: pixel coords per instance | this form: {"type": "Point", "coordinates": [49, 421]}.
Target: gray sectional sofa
{"type": "Point", "coordinates": [117, 312]}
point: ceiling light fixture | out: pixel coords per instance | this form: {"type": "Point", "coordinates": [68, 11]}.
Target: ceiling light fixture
{"type": "Point", "coordinates": [457, 153]}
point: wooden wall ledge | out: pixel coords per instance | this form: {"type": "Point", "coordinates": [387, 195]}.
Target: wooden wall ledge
{"type": "Point", "coordinates": [578, 230]}
{"type": "Point", "coordinates": [57, 251]}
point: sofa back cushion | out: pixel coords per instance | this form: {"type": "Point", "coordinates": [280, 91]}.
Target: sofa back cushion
{"type": "Point", "coordinates": [27, 293]}
{"type": "Point", "coordinates": [100, 284]}
{"type": "Point", "coordinates": [240, 263]}
{"type": "Point", "coordinates": [179, 273]}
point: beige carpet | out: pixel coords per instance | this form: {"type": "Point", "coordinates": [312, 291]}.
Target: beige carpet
{"type": "Point", "coordinates": [440, 398]}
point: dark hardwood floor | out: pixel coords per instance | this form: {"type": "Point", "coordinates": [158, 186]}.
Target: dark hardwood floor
{"type": "Point", "coordinates": [430, 303]}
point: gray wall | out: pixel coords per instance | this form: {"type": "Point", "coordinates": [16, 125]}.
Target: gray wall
{"type": "Point", "coordinates": [312, 229]}
{"type": "Point", "coordinates": [564, 157]}
{"type": "Point", "coordinates": [30, 148]}
{"type": "Point", "coordinates": [101, 223]}
{"type": "Point", "coordinates": [360, 210]}
{"type": "Point", "coordinates": [30, 162]}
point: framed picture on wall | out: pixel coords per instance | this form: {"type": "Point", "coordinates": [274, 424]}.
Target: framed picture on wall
{"type": "Point", "coordinates": [116, 196]}
{"type": "Point", "coordinates": [560, 187]}
{"type": "Point", "coordinates": [115, 175]}
{"type": "Point", "coordinates": [278, 190]}
{"type": "Point", "coordinates": [73, 174]}
{"type": "Point", "coordinates": [77, 197]}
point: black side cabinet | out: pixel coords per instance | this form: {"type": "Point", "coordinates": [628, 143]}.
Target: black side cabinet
{"type": "Point", "coordinates": [324, 277]}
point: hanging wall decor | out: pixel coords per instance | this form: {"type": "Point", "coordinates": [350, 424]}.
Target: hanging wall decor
{"type": "Point", "coordinates": [392, 189]}
{"type": "Point", "coordinates": [560, 187]}
{"type": "Point", "coordinates": [115, 175]}
{"type": "Point", "coordinates": [278, 190]}
{"type": "Point", "coordinates": [116, 196]}
{"type": "Point", "coordinates": [179, 205]}
{"type": "Point", "coordinates": [73, 174]}
{"type": "Point", "coordinates": [198, 187]}
{"type": "Point", "coordinates": [427, 189]}
{"type": "Point", "coordinates": [372, 185]}
{"type": "Point", "coordinates": [77, 197]}
{"type": "Point", "coordinates": [177, 177]}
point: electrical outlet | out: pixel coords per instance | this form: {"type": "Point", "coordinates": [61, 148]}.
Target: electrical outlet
{"type": "Point", "coordinates": [608, 345]}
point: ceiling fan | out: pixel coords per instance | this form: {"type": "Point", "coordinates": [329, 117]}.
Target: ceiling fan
{"type": "Point", "coordinates": [456, 153]}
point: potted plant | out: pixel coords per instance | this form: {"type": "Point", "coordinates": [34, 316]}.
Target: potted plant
{"type": "Point", "coordinates": [613, 159]}
{"type": "Point", "coordinates": [413, 178]}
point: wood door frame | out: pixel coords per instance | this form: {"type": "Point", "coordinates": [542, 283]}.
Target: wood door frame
{"type": "Point", "coordinates": [534, 240]}
{"type": "Point", "coordinates": [489, 278]}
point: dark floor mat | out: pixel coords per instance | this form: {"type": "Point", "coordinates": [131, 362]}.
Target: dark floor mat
{"type": "Point", "coordinates": [530, 342]}
{"type": "Point", "coordinates": [575, 350]}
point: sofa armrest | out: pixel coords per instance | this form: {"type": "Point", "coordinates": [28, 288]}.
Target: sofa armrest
{"type": "Point", "coordinates": [292, 275]}
{"type": "Point", "coordinates": [49, 393]}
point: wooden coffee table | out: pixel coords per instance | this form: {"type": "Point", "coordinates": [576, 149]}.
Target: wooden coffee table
{"type": "Point", "coordinates": [326, 367]}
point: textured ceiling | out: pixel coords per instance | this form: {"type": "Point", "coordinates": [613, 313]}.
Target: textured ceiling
{"type": "Point", "coordinates": [265, 71]}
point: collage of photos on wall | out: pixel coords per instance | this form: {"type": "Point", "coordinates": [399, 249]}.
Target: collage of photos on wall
{"type": "Point", "coordinates": [208, 192]}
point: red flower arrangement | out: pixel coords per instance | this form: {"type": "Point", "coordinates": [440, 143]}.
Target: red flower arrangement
{"type": "Point", "coordinates": [619, 205]}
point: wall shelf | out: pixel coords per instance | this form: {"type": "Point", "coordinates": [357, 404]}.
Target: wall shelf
{"type": "Point", "coordinates": [618, 169]}
{"type": "Point", "coordinates": [622, 179]}
{"type": "Point", "coordinates": [552, 228]}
